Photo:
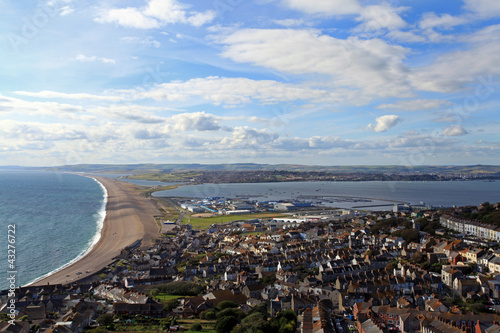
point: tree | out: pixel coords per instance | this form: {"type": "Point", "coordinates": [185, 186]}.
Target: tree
{"type": "Point", "coordinates": [208, 315]}
{"type": "Point", "coordinates": [287, 328]}
{"type": "Point", "coordinates": [231, 312]}
{"type": "Point", "coordinates": [225, 324]}
{"type": "Point", "coordinates": [256, 322]}
{"type": "Point", "coordinates": [417, 258]}
{"type": "Point", "coordinates": [170, 304]}
{"type": "Point", "coordinates": [261, 308]}
{"type": "Point", "coordinates": [226, 305]}
{"type": "Point", "coordinates": [391, 265]}
{"type": "Point", "coordinates": [105, 319]}
{"type": "Point", "coordinates": [196, 327]}
{"type": "Point", "coordinates": [288, 314]}
{"type": "Point", "coordinates": [154, 292]}
{"type": "Point", "coordinates": [477, 307]}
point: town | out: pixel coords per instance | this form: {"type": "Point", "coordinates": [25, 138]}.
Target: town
{"type": "Point", "coordinates": [416, 269]}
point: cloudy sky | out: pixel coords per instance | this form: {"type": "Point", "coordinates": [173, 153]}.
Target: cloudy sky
{"type": "Point", "coordinates": [324, 82]}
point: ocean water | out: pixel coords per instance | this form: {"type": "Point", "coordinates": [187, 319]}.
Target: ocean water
{"type": "Point", "coordinates": [444, 194]}
{"type": "Point", "coordinates": [57, 218]}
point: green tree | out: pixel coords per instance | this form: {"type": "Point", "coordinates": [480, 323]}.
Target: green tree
{"type": "Point", "coordinates": [171, 304]}
{"type": "Point", "coordinates": [226, 305]}
{"type": "Point", "coordinates": [409, 235]}
{"type": "Point", "coordinates": [105, 319]}
{"type": "Point", "coordinates": [256, 322]}
{"type": "Point", "coordinates": [418, 258]}
{"type": "Point", "coordinates": [196, 327]}
{"type": "Point", "coordinates": [231, 312]}
{"type": "Point", "coordinates": [208, 315]}
{"type": "Point", "coordinates": [261, 308]}
{"type": "Point", "coordinates": [154, 292]}
{"type": "Point", "coordinates": [225, 324]}
{"type": "Point", "coordinates": [477, 307]}
{"type": "Point", "coordinates": [287, 328]}
{"type": "Point", "coordinates": [289, 315]}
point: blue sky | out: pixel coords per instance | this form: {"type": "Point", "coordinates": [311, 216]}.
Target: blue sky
{"type": "Point", "coordinates": [324, 82]}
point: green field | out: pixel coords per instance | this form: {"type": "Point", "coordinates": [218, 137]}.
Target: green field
{"type": "Point", "coordinates": [205, 222]}
{"type": "Point", "coordinates": [166, 297]}
{"type": "Point", "coordinates": [166, 176]}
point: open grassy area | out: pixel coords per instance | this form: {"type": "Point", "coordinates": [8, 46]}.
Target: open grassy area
{"type": "Point", "coordinates": [166, 176]}
{"type": "Point", "coordinates": [151, 190]}
{"type": "Point", "coordinates": [205, 222]}
{"type": "Point", "coordinates": [166, 297]}
{"type": "Point", "coordinates": [208, 325]}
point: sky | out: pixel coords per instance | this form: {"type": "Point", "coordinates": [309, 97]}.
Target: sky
{"type": "Point", "coordinates": [324, 82]}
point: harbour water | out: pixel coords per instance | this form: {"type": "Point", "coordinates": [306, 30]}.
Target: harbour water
{"type": "Point", "coordinates": [351, 194]}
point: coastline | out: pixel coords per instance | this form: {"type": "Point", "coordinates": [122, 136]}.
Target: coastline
{"type": "Point", "coordinates": [129, 217]}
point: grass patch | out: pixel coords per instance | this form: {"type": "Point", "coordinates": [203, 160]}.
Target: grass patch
{"type": "Point", "coordinates": [151, 190]}
{"type": "Point", "coordinates": [258, 233]}
{"type": "Point", "coordinates": [205, 222]}
{"type": "Point", "coordinates": [166, 176]}
{"type": "Point", "coordinates": [166, 297]}
{"type": "Point", "coordinates": [139, 328]}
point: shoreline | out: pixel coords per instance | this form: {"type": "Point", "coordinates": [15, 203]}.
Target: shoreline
{"type": "Point", "coordinates": [95, 239]}
{"type": "Point", "coordinates": [128, 217]}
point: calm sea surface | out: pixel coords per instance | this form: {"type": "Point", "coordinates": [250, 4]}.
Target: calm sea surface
{"type": "Point", "coordinates": [57, 217]}
{"type": "Point", "coordinates": [445, 194]}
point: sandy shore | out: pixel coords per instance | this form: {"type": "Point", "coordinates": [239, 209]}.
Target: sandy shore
{"type": "Point", "coordinates": [129, 217]}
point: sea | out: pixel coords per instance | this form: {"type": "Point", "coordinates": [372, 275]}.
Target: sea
{"type": "Point", "coordinates": [56, 217]}
{"type": "Point", "coordinates": [371, 195]}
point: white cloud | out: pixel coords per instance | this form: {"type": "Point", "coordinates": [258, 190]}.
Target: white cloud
{"type": "Point", "coordinates": [373, 66]}
{"type": "Point", "coordinates": [453, 70]}
{"type": "Point", "coordinates": [195, 121]}
{"type": "Point", "coordinates": [232, 91]}
{"type": "Point", "coordinates": [66, 10]}
{"type": "Point", "coordinates": [384, 123]}
{"type": "Point", "coordinates": [54, 94]}
{"type": "Point", "coordinates": [246, 137]}
{"type": "Point", "coordinates": [484, 8]}
{"type": "Point", "coordinates": [314, 142]}
{"type": "Point", "coordinates": [84, 58]}
{"type": "Point", "coordinates": [325, 7]}
{"type": "Point", "coordinates": [445, 21]}
{"type": "Point", "coordinates": [148, 41]}
{"type": "Point", "coordinates": [53, 109]}
{"type": "Point", "coordinates": [135, 113]}
{"type": "Point", "coordinates": [455, 130]}
{"type": "Point", "coordinates": [377, 17]}
{"type": "Point", "coordinates": [406, 36]}
{"type": "Point", "coordinates": [31, 131]}
{"type": "Point", "coordinates": [155, 14]}
{"type": "Point", "coordinates": [416, 104]}
{"type": "Point", "coordinates": [290, 22]}
{"type": "Point", "coordinates": [127, 17]}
